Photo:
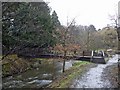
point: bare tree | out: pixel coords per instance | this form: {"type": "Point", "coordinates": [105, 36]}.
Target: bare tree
{"type": "Point", "coordinates": [114, 19]}
{"type": "Point", "coordinates": [65, 36]}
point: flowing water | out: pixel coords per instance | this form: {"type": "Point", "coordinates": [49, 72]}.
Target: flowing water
{"type": "Point", "coordinates": [93, 78]}
{"type": "Point", "coordinates": [36, 78]}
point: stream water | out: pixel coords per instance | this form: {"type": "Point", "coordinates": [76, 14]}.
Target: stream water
{"type": "Point", "coordinates": [93, 78]}
{"type": "Point", "coordinates": [36, 78]}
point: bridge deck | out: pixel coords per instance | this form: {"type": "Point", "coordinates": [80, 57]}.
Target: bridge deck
{"type": "Point", "coordinates": [94, 59]}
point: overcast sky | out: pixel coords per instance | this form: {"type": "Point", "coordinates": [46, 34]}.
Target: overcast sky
{"type": "Point", "coordinates": [86, 12]}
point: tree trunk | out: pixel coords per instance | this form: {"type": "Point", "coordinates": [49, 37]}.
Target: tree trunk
{"type": "Point", "coordinates": [88, 40]}
{"type": "Point", "coordinates": [64, 65]}
{"type": "Point", "coordinates": [64, 61]}
{"type": "Point", "coordinates": [118, 31]}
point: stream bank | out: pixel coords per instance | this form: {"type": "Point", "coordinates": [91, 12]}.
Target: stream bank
{"type": "Point", "coordinates": [66, 79]}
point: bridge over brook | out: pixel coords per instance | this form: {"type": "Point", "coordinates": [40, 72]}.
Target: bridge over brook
{"type": "Point", "coordinates": [95, 57]}
{"type": "Point", "coordinates": [91, 56]}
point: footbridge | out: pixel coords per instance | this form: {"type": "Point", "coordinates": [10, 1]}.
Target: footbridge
{"type": "Point", "coordinates": [95, 57]}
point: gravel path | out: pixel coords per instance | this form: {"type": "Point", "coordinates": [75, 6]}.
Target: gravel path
{"type": "Point", "coordinates": [98, 77]}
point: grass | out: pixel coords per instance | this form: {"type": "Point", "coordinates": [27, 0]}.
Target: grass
{"type": "Point", "coordinates": [77, 65]}
{"type": "Point", "coordinates": [69, 75]}
{"type": "Point", "coordinates": [80, 63]}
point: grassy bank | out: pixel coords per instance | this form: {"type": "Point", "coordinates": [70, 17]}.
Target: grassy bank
{"type": "Point", "coordinates": [65, 80]}
{"type": "Point", "coordinates": [13, 65]}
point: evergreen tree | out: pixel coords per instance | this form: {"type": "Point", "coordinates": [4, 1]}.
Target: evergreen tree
{"type": "Point", "coordinates": [26, 25]}
{"type": "Point", "coordinates": [55, 20]}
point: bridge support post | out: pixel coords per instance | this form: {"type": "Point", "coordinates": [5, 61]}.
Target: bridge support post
{"type": "Point", "coordinates": [103, 55]}
{"type": "Point", "coordinates": [92, 54]}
